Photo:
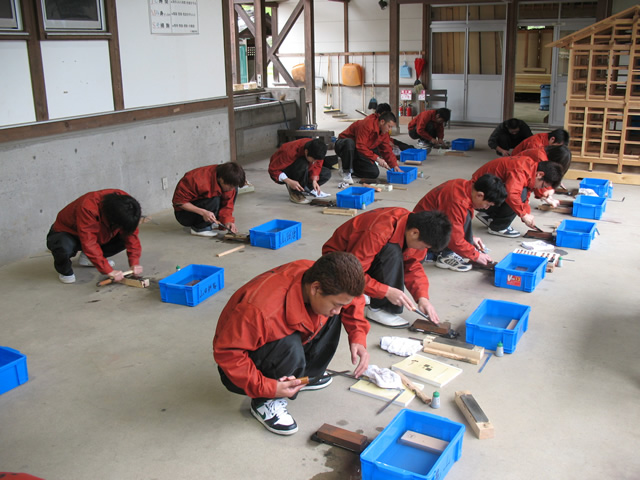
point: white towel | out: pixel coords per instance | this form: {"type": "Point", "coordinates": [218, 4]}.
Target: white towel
{"type": "Point", "coordinates": [400, 346]}
{"type": "Point", "coordinates": [383, 377]}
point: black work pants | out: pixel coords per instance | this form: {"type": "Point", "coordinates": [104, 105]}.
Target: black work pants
{"type": "Point", "coordinates": [288, 356]}
{"type": "Point", "coordinates": [353, 161]}
{"type": "Point", "coordinates": [468, 234]}
{"type": "Point", "coordinates": [299, 171]}
{"type": "Point", "coordinates": [431, 128]}
{"type": "Point", "coordinates": [65, 246]}
{"type": "Point", "coordinates": [388, 268]}
{"type": "Point", "coordinates": [507, 141]}
{"type": "Point", "coordinates": [502, 216]}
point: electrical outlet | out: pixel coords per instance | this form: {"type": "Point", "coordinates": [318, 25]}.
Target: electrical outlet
{"type": "Point", "coordinates": [259, 80]}
{"type": "Point", "coordinates": [165, 183]}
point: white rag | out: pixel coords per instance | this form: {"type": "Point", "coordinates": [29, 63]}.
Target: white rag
{"type": "Point", "coordinates": [538, 246]}
{"type": "Point", "coordinates": [383, 377]}
{"type": "Point", "coordinates": [587, 191]}
{"type": "Point", "coordinates": [400, 346]}
{"type": "Point", "coordinates": [320, 195]}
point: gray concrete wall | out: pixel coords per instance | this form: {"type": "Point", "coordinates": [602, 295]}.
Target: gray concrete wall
{"type": "Point", "coordinates": [41, 176]}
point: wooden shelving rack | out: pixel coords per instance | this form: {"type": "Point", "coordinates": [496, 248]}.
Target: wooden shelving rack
{"type": "Point", "coordinates": [602, 112]}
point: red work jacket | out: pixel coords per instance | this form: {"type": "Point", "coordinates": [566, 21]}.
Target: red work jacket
{"type": "Point", "coordinates": [269, 308]}
{"type": "Point", "coordinates": [83, 218]}
{"type": "Point", "coordinates": [517, 173]}
{"type": "Point", "coordinates": [538, 155]}
{"type": "Point", "coordinates": [454, 199]}
{"type": "Point", "coordinates": [289, 153]}
{"type": "Point", "coordinates": [201, 183]}
{"type": "Point", "coordinates": [539, 140]}
{"type": "Point", "coordinates": [367, 136]}
{"type": "Point", "coordinates": [419, 123]}
{"type": "Point", "coordinates": [365, 235]}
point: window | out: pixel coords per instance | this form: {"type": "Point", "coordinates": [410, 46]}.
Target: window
{"type": "Point", "coordinates": [10, 15]}
{"type": "Point", "coordinates": [73, 15]}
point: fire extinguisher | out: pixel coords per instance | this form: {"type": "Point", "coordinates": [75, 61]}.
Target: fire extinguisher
{"type": "Point", "coordinates": [400, 111]}
{"type": "Point", "coordinates": [408, 111]}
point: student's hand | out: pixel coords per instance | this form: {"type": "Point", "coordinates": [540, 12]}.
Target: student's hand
{"type": "Point", "coordinates": [117, 275]}
{"type": "Point", "coordinates": [397, 169]}
{"type": "Point", "coordinates": [380, 161]}
{"type": "Point", "coordinates": [425, 306]}
{"type": "Point", "coordinates": [316, 186]}
{"type": "Point", "coordinates": [484, 259]}
{"type": "Point", "coordinates": [503, 152]}
{"type": "Point", "coordinates": [398, 297]}
{"type": "Point", "coordinates": [479, 244]}
{"type": "Point", "coordinates": [293, 185]}
{"type": "Point", "coordinates": [359, 356]}
{"type": "Point", "coordinates": [288, 387]}
{"type": "Point", "coordinates": [529, 220]}
{"type": "Point", "coordinates": [552, 201]}
{"type": "Point", "coordinates": [137, 269]}
{"type": "Point", "coordinates": [231, 226]}
{"type": "Point", "coordinates": [208, 216]}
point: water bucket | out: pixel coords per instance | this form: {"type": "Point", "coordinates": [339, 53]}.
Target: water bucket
{"type": "Point", "coordinates": [545, 93]}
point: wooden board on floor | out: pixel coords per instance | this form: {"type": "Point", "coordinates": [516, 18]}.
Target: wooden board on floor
{"type": "Point", "coordinates": [350, 212]}
{"type": "Point", "coordinates": [454, 349]}
{"type": "Point", "coordinates": [474, 415]}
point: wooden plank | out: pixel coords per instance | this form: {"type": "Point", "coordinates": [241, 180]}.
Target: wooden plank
{"type": "Point", "coordinates": [342, 438]}
{"type": "Point", "coordinates": [227, 252]}
{"type": "Point", "coordinates": [412, 387]}
{"type": "Point", "coordinates": [512, 324]}
{"type": "Point", "coordinates": [482, 430]}
{"type": "Point", "coordinates": [456, 350]}
{"type": "Point", "coordinates": [423, 442]}
{"type": "Point", "coordinates": [350, 212]}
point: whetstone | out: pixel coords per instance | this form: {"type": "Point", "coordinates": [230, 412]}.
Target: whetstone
{"type": "Point", "coordinates": [350, 212]}
{"type": "Point", "coordinates": [135, 281]}
{"type": "Point", "coordinates": [474, 415]}
{"type": "Point", "coordinates": [423, 442]}
{"type": "Point", "coordinates": [453, 349]}
{"type": "Point", "coordinates": [341, 438]}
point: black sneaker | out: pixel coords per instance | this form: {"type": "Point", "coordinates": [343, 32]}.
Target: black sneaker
{"type": "Point", "coordinates": [274, 416]}
{"type": "Point", "coordinates": [319, 383]}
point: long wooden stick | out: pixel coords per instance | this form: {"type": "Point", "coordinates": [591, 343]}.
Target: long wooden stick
{"type": "Point", "coordinates": [411, 386]}
{"type": "Point", "coordinates": [110, 280]}
{"type": "Point", "coordinates": [241, 247]}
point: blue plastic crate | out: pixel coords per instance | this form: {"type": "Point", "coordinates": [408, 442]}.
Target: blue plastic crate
{"type": "Point", "coordinates": [520, 272]}
{"type": "Point", "coordinates": [585, 206]}
{"type": "Point", "coordinates": [463, 144]}
{"type": "Point", "coordinates": [602, 187]}
{"type": "Point", "coordinates": [576, 234]}
{"type": "Point", "coordinates": [191, 284]}
{"type": "Point", "coordinates": [487, 325]}
{"type": "Point", "coordinates": [415, 154]}
{"type": "Point", "coordinates": [13, 369]}
{"type": "Point", "coordinates": [355, 197]}
{"type": "Point", "coordinates": [386, 458]}
{"type": "Point", "coordinates": [275, 234]}
{"type": "Point", "coordinates": [408, 175]}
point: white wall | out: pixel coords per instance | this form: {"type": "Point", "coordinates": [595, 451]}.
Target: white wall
{"type": "Point", "coordinates": [16, 98]}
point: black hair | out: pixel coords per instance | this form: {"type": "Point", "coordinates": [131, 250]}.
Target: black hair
{"type": "Point", "coordinates": [561, 136]}
{"type": "Point", "coordinates": [121, 211]}
{"type": "Point", "coordinates": [383, 107]}
{"type": "Point", "coordinates": [444, 114]}
{"type": "Point", "coordinates": [388, 117]}
{"type": "Point", "coordinates": [232, 174]}
{"type": "Point", "coordinates": [492, 187]}
{"type": "Point", "coordinates": [434, 227]}
{"type": "Point", "coordinates": [337, 272]}
{"type": "Point", "coordinates": [552, 173]}
{"type": "Point", "coordinates": [316, 148]}
{"type": "Point", "coordinates": [512, 123]}
{"type": "Point", "coordinates": [559, 154]}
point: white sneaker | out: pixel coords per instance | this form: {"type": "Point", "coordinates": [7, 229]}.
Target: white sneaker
{"type": "Point", "coordinates": [508, 232]}
{"type": "Point", "coordinates": [387, 319]}
{"type": "Point", "coordinates": [274, 416]}
{"type": "Point", "coordinates": [346, 177]}
{"type": "Point", "coordinates": [422, 144]}
{"type": "Point", "coordinates": [454, 262]}
{"type": "Point", "coordinates": [67, 278]}
{"type": "Point", "coordinates": [367, 299]}
{"type": "Point", "coordinates": [85, 262]}
{"type": "Point", "coordinates": [204, 233]}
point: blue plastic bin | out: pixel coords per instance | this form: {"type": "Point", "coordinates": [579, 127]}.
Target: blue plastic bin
{"type": "Point", "coordinates": [275, 234]}
{"type": "Point", "coordinates": [386, 459]}
{"type": "Point", "coordinates": [408, 175]}
{"type": "Point", "coordinates": [585, 206]}
{"type": "Point", "coordinates": [520, 272]}
{"type": "Point", "coordinates": [191, 284]}
{"type": "Point", "coordinates": [487, 325]}
{"type": "Point", "coordinates": [463, 144]}
{"type": "Point", "coordinates": [545, 95]}
{"type": "Point", "coordinates": [576, 234]}
{"type": "Point", "coordinates": [415, 154]}
{"type": "Point", "coordinates": [603, 188]}
{"type": "Point", "coordinates": [355, 197]}
{"type": "Point", "coordinates": [13, 369]}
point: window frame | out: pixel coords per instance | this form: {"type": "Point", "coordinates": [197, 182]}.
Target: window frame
{"type": "Point", "coordinates": [14, 24]}
{"type": "Point", "coordinates": [70, 27]}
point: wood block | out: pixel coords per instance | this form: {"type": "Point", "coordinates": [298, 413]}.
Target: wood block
{"type": "Point", "coordinates": [453, 349]}
{"type": "Point", "coordinates": [350, 212]}
{"type": "Point", "coordinates": [423, 442]}
{"type": "Point", "coordinates": [135, 281]}
{"type": "Point", "coordinates": [481, 429]}
{"type": "Point", "coordinates": [512, 324]}
{"type": "Point", "coordinates": [238, 237]}
{"type": "Point", "coordinates": [341, 438]}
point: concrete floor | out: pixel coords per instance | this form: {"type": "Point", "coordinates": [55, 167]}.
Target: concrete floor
{"type": "Point", "coordinates": [124, 386]}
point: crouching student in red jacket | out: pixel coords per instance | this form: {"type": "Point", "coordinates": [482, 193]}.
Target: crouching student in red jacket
{"type": "Point", "coordinates": [391, 244]}
{"type": "Point", "coordinates": [459, 199]}
{"type": "Point", "coordinates": [285, 324]}
{"type": "Point", "coordinates": [298, 165]}
{"type": "Point", "coordinates": [205, 196]}
{"type": "Point", "coordinates": [99, 224]}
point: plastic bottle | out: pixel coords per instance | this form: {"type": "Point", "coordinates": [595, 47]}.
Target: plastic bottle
{"type": "Point", "coordinates": [177, 267]}
{"type": "Point", "coordinates": [435, 400]}
{"type": "Point", "coordinates": [559, 261]}
{"type": "Point", "coordinates": [499, 350]}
